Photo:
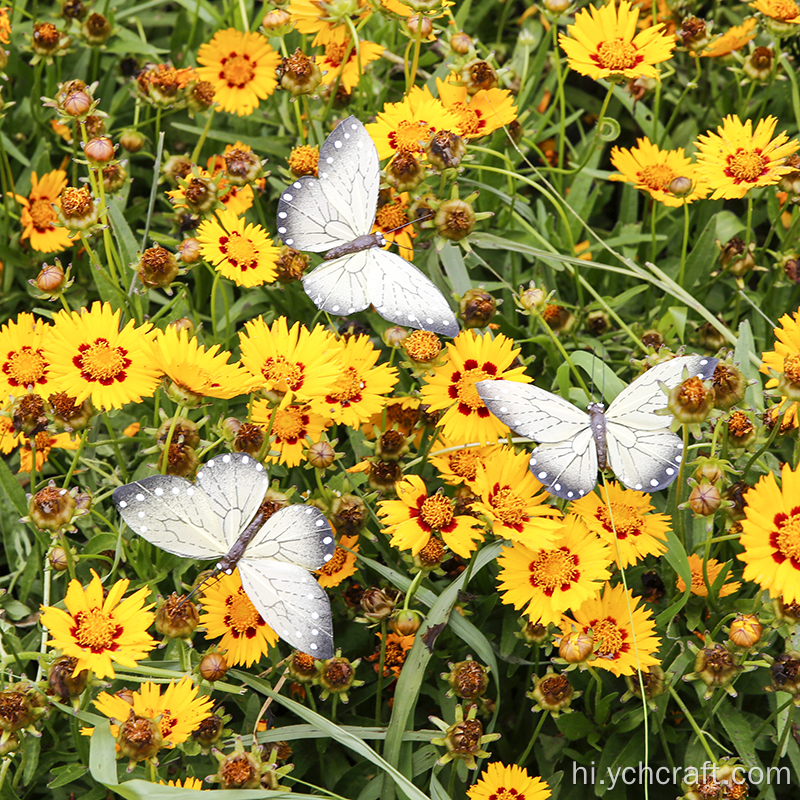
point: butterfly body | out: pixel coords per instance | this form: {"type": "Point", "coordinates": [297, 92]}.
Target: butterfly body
{"type": "Point", "coordinates": [334, 213]}
{"type": "Point", "coordinates": [630, 438]}
{"type": "Point", "coordinates": [219, 518]}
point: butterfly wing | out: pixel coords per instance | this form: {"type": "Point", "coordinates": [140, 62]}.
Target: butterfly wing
{"type": "Point", "coordinates": [566, 459]}
{"type": "Point", "coordinates": [317, 214]}
{"type": "Point", "coordinates": [339, 286]}
{"type": "Point", "coordinates": [291, 602]}
{"type": "Point", "coordinates": [296, 534]}
{"type": "Point", "coordinates": [173, 514]}
{"type": "Point", "coordinates": [235, 485]}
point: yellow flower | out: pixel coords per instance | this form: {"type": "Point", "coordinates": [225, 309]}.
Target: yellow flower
{"type": "Point", "coordinates": [241, 67]}
{"type": "Point", "coordinates": [638, 532]}
{"type": "Point", "coordinates": [736, 159]}
{"type": "Point", "coordinates": [501, 782]}
{"type": "Point", "coordinates": [342, 565]}
{"type": "Point", "coordinates": [783, 363]}
{"type": "Point", "coordinates": [45, 442]}
{"type": "Point", "coordinates": [653, 170]}
{"type": "Point", "coordinates": [347, 73]}
{"type": "Point", "coordinates": [785, 11]}
{"type": "Point", "coordinates": [417, 515]}
{"type": "Point", "coordinates": [733, 39]}
{"type": "Point", "coordinates": [771, 535]}
{"type": "Point", "coordinates": [404, 127]}
{"type": "Point", "coordinates": [99, 630]}
{"type": "Point", "coordinates": [603, 43]}
{"type": "Point", "coordinates": [188, 783]}
{"type": "Point", "coordinates": [562, 575]}
{"type": "Point", "coordinates": [90, 357]}
{"type": "Point", "coordinates": [241, 252]}
{"type": "Point", "coordinates": [480, 114]}
{"type": "Point", "coordinates": [9, 438]}
{"type": "Point", "coordinates": [713, 568]}
{"type": "Point", "coordinates": [608, 618]}
{"type": "Point", "coordinates": [392, 221]}
{"type": "Point", "coordinates": [471, 358]}
{"type": "Point", "coordinates": [39, 220]}
{"type": "Point", "coordinates": [293, 428]}
{"type": "Point", "coordinates": [457, 464]}
{"type": "Point", "coordinates": [178, 711]}
{"type": "Point", "coordinates": [514, 501]}
{"type": "Point", "coordinates": [23, 363]}
{"type": "Point", "coordinates": [228, 612]}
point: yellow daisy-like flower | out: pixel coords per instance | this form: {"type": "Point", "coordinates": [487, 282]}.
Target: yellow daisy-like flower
{"type": "Point", "coordinates": [188, 783]}
{"type": "Point", "coordinates": [23, 364]}
{"type": "Point", "coordinates": [771, 535]}
{"type": "Point", "coordinates": [9, 438]}
{"type": "Point", "coordinates": [179, 708]}
{"type": "Point", "coordinates": [480, 114]}
{"type": "Point", "coordinates": [90, 357]}
{"type": "Point", "coordinates": [39, 220]}
{"type": "Point", "coordinates": [459, 464]}
{"type": "Point", "coordinates": [713, 568]}
{"type": "Point", "coordinates": [402, 414]}
{"type": "Point", "coordinates": [501, 782]}
{"type": "Point", "coordinates": [783, 363]}
{"type": "Point", "coordinates": [514, 501]}
{"type": "Point", "coordinates": [785, 11]}
{"type": "Point", "coordinates": [293, 428]}
{"type": "Point", "coordinates": [733, 39]}
{"type": "Point", "coordinates": [471, 358]}
{"type": "Point", "coordinates": [228, 612]}
{"type": "Point", "coordinates": [195, 371]}
{"type": "Point", "coordinates": [5, 26]}
{"type": "Point", "coordinates": [638, 532]}
{"type": "Point", "coordinates": [98, 630]}
{"type": "Point", "coordinates": [241, 67]}
{"type": "Point", "coordinates": [603, 43]}
{"type": "Point", "coordinates": [359, 391]}
{"type": "Point", "coordinates": [45, 442]}
{"type": "Point", "coordinates": [558, 577]}
{"type": "Point", "coordinates": [736, 159]}
{"type": "Point", "coordinates": [342, 565]}
{"type": "Point", "coordinates": [406, 126]}
{"type": "Point", "coordinates": [347, 73]}
{"type": "Point", "coordinates": [241, 252]}
{"type": "Point", "coordinates": [392, 221]}
{"type": "Point", "coordinates": [297, 363]}
{"type": "Point", "coordinates": [417, 515]}
{"type": "Point", "coordinates": [609, 621]}
{"type": "Point", "coordinates": [652, 170]}
{"type": "Point", "coordinates": [236, 199]}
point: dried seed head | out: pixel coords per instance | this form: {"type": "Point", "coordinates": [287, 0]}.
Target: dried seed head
{"type": "Point", "coordinates": [378, 604]}
{"type": "Point", "coordinates": [52, 508]}
{"type": "Point", "coordinates": [445, 150]}
{"type": "Point", "coordinates": [405, 172]}
{"type": "Point", "coordinates": [242, 167]}
{"type": "Point", "coordinates": [96, 29]}
{"type": "Point", "coordinates": [67, 414]}
{"type": "Point", "coordinates": [477, 308]}
{"type": "Point", "coordinates": [303, 667]}
{"type": "Point", "coordinates": [478, 75]}
{"type": "Point", "coordinates": [300, 74]}
{"type": "Point", "coordinates": [468, 679]}
{"type": "Point", "coordinates": [62, 682]}
{"type": "Point", "coordinates": [553, 693]}
{"type": "Point", "coordinates": [454, 220]}
{"type": "Point", "coordinates": [691, 401]}
{"type": "Point", "coordinates": [176, 617]}
{"type": "Point", "coordinates": [139, 738]}
{"type": "Point", "coordinates": [157, 267]}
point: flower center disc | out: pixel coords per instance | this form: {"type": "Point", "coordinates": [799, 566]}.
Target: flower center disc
{"type": "Point", "coordinates": [617, 55]}
{"type": "Point", "coordinates": [238, 71]}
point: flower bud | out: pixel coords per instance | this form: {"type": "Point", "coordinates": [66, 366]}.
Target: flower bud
{"type": "Point", "coordinates": [736, 257]}
{"type": "Point", "coordinates": [405, 172]}
{"type": "Point", "coordinates": [51, 280]}
{"type": "Point", "coordinates": [745, 630]}
{"type": "Point", "coordinates": [74, 10]}
{"type": "Point", "coordinates": [419, 26]}
{"type": "Point", "coordinates": [52, 508]}
{"type": "Point", "coordinates": [690, 402]}
{"type": "Point", "coordinates": [200, 96]}
{"type": "Point", "coordinates": [157, 267]}
{"type": "Point", "coordinates": [680, 186]}
{"type": "Point", "coordinates": [58, 559]}
{"type": "Point", "coordinates": [321, 455]}
{"type": "Point", "coordinates": [597, 323]}
{"type": "Point", "coordinates": [533, 632]}
{"type": "Point", "coordinates": [275, 21]}
{"type": "Point", "coordinates": [213, 666]}
{"type": "Point", "coordinates": [300, 74]}
{"type": "Point", "coordinates": [758, 65]}
{"type": "Point", "coordinates": [790, 181]}
{"type": "Point", "coordinates": [478, 75]}
{"type": "Point", "coordinates": [405, 622]}
{"type": "Point", "coordinates": [177, 168]}
{"type": "Point", "coordinates": [576, 647]}
{"type": "Point", "coordinates": [557, 7]}
{"type": "Point", "coordinates": [76, 103]}
{"type": "Point", "coordinates": [62, 683]}
{"type": "Point", "coordinates": [705, 499]}
{"type": "Point", "coordinates": [468, 679]}
{"type": "Point", "coordinates": [96, 29]}
{"type": "Point", "coordinates": [201, 194]}
{"type": "Point", "coordinates": [654, 681]}
{"type": "Point", "coordinates": [189, 251]}
{"type": "Point", "coordinates": [303, 667]}
{"type": "Point", "coordinates": [132, 140]}
{"type": "Point", "coordinates": [532, 298]}
{"type": "Point", "coordinates": [461, 43]}
{"type": "Point", "coordinates": [477, 308]}
{"type": "Point", "coordinates": [185, 430]}
{"type": "Point", "coordinates": [78, 211]}
{"type": "Point", "coordinates": [454, 220]}
{"type": "Point", "coordinates": [176, 617]}
{"type": "Point", "coordinates": [553, 693]}
{"type": "Point", "coordinates": [99, 151]}
{"type": "Point", "coordinates": [377, 604]}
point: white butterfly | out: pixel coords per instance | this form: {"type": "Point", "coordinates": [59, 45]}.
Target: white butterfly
{"type": "Point", "coordinates": [335, 213]}
{"type": "Point", "coordinates": [214, 517]}
{"type": "Point", "coordinates": [634, 441]}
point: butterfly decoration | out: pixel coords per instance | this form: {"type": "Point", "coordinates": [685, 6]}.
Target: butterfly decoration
{"type": "Point", "coordinates": [218, 518]}
{"type": "Point", "coordinates": [335, 213]}
{"type": "Point", "coordinates": [630, 437]}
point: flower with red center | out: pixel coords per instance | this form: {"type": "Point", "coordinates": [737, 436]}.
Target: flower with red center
{"type": "Point", "coordinates": [241, 252]}
{"type": "Point", "coordinates": [392, 221]}
{"type": "Point", "coordinates": [471, 358]}
{"type": "Point", "coordinates": [479, 114]}
{"type": "Point", "coordinates": [178, 711]}
{"type": "Point", "coordinates": [459, 464]}
{"type": "Point", "coordinates": [347, 72]}
{"type": "Point", "coordinates": [712, 570]}
{"type": "Point", "coordinates": [359, 391]}
{"type": "Point", "coordinates": [624, 515]}
{"type": "Point", "coordinates": [514, 501]}
{"type": "Point", "coordinates": [342, 565]}
{"type": "Point", "coordinates": [623, 631]}
{"type": "Point", "coordinates": [98, 630]}
{"type": "Point", "coordinates": [404, 127]}
{"type": "Point", "coordinates": [9, 438]}
{"type": "Point", "coordinates": [417, 515]}
{"type": "Point", "coordinates": [39, 220]}
{"type": "Point", "coordinates": [653, 170]}
{"type": "Point", "coordinates": [241, 68]}
{"type": "Point", "coordinates": [737, 159]}
{"type": "Point", "coordinates": [293, 428]}
{"type": "Point", "coordinates": [771, 535]}
{"type": "Point", "coordinates": [90, 357]}
{"type": "Point", "coordinates": [783, 365]}
{"type": "Point", "coordinates": [561, 576]}
{"type": "Point", "coordinates": [501, 782]}
{"type": "Point", "coordinates": [228, 612]}
{"type": "Point", "coordinates": [23, 364]}
{"type": "Point", "coordinates": [603, 43]}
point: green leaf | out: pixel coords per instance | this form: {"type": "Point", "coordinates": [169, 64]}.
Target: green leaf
{"type": "Point", "coordinates": [740, 731]}
{"type": "Point", "coordinates": [66, 775]}
{"type": "Point", "coordinates": [679, 561]}
{"type": "Point", "coordinates": [102, 755]}
{"type": "Point", "coordinates": [453, 263]}
{"type": "Point", "coordinates": [12, 489]}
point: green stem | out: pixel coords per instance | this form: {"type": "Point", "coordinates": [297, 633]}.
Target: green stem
{"type": "Point", "coordinates": [527, 751]}
{"type": "Point", "coordinates": [379, 689]}
{"type": "Point", "coordinates": [695, 727]}
{"type": "Point", "coordinates": [198, 148]}
{"type": "Point", "coordinates": [685, 245]}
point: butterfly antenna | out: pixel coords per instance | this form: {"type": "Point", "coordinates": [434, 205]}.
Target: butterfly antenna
{"type": "Point", "coordinates": [209, 576]}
